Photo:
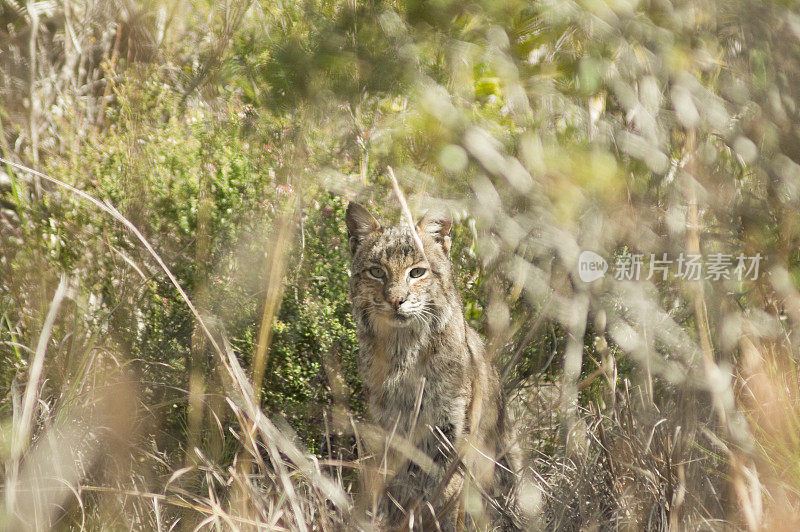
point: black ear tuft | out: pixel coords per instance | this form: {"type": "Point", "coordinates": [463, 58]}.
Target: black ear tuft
{"type": "Point", "coordinates": [360, 223]}
{"type": "Point", "coordinates": [437, 223]}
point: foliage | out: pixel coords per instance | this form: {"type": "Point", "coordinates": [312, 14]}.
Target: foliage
{"type": "Point", "coordinates": [548, 127]}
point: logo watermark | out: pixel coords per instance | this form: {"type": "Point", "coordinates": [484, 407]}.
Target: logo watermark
{"type": "Point", "coordinates": [591, 266]}
{"type": "Point", "coordinates": [685, 267]}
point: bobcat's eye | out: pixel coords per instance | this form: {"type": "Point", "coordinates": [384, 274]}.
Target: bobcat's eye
{"type": "Point", "coordinates": [376, 272]}
{"type": "Point", "coordinates": [417, 272]}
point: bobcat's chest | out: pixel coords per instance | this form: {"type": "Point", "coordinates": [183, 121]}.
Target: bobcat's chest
{"type": "Point", "coordinates": [405, 388]}
{"type": "Point", "coordinates": [395, 372]}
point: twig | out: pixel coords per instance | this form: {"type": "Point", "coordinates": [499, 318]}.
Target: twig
{"type": "Point", "coordinates": [33, 12]}
{"type": "Point", "coordinates": [405, 210]}
{"type": "Point", "coordinates": [110, 72]}
{"type": "Point", "coordinates": [21, 430]}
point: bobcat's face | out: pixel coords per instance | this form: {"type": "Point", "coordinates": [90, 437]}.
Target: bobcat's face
{"type": "Point", "coordinates": [393, 278]}
{"type": "Point", "coordinates": [393, 282]}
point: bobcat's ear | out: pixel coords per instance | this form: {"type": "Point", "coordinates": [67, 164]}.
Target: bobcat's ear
{"type": "Point", "coordinates": [360, 223]}
{"type": "Point", "coordinates": [437, 223]}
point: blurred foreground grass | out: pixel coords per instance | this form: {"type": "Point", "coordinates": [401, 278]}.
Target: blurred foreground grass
{"type": "Point", "coordinates": [176, 348]}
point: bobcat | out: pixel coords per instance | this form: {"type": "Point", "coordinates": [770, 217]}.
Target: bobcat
{"type": "Point", "coordinates": [429, 385]}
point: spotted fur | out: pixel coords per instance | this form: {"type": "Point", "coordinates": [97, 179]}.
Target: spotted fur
{"type": "Point", "coordinates": [427, 379]}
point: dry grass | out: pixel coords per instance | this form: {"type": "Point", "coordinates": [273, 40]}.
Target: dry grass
{"type": "Point", "coordinates": [660, 128]}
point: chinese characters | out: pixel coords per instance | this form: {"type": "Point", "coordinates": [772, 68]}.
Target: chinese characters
{"type": "Point", "coordinates": [687, 267]}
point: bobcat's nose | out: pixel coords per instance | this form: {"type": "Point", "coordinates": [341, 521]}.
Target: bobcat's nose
{"type": "Point", "coordinates": [396, 301]}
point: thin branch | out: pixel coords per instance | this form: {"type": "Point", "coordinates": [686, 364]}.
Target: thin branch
{"type": "Point", "coordinates": [406, 211]}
